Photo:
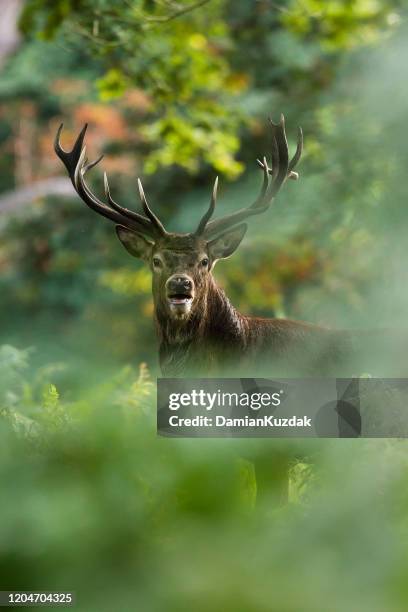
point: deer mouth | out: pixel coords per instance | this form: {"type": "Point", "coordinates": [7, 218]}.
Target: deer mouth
{"type": "Point", "coordinates": [180, 304]}
{"type": "Point", "coordinates": [180, 299]}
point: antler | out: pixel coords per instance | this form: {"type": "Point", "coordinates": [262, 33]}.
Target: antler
{"type": "Point", "coordinates": [281, 170]}
{"type": "Point", "coordinates": [77, 166]}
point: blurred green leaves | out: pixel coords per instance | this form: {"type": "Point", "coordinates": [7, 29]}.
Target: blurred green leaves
{"type": "Point", "coordinates": [103, 504]}
{"type": "Point", "coordinates": [90, 496]}
{"type": "Point", "coordinates": [173, 52]}
{"type": "Point", "coordinates": [340, 25]}
{"type": "Point", "coordinates": [184, 99]}
{"type": "Point", "coordinates": [112, 85]}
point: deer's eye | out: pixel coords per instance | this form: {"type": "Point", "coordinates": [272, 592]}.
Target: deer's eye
{"type": "Point", "coordinates": [204, 262]}
{"type": "Point", "coordinates": [157, 262]}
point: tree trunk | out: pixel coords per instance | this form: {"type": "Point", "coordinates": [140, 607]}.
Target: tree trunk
{"type": "Point", "coordinates": [9, 34]}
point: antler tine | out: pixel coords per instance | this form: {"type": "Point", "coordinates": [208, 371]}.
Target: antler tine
{"type": "Point", "coordinates": [88, 197]}
{"type": "Point", "coordinates": [265, 184]}
{"type": "Point", "coordinates": [279, 177]}
{"type": "Point", "coordinates": [154, 220]}
{"type": "Point", "coordinates": [273, 171]}
{"type": "Point", "coordinates": [91, 165]}
{"type": "Point", "coordinates": [299, 149]}
{"type": "Point", "coordinates": [281, 169]}
{"type": "Point", "coordinates": [274, 149]}
{"type": "Point", "coordinates": [124, 211]}
{"type": "Point", "coordinates": [293, 162]}
{"type": "Point", "coordinates": [207, 216]}
{"type": "Point", "coordinates": [70, 158]}
{"type": "Point", "coordinates": [77, 166]}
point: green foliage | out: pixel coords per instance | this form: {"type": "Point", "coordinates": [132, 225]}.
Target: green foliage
{"type": "Point", "coordinates": [112, 85]}
{"type": "Point", "coordinates": [185, 144]}
{"type": "Point", "coordinates": [340, 25]}
{"type": "Point", "coordinates": [194, 92]}
{"type": "Point", "coordinates": [90, 495]}
{"type": "Point", "coordinates": [103, 504]}
{"type": "Point", "coordinates": [189, 82]}
{"type": "Point", "coordinates": [30, 398]}
{"type": "Point", "coordinates": [50, 14]}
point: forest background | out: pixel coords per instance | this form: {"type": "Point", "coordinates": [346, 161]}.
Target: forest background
{"type": "Point", "coordinates": [177, 92]}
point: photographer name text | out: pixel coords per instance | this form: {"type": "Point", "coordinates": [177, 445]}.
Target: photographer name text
{"type": "Point", "coordinates": [201, 399]}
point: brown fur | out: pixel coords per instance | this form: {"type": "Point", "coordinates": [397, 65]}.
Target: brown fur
{"type": "Point", "coordinates": [218, 339]}
{"type": "Point", "coordinates": [213, 338]}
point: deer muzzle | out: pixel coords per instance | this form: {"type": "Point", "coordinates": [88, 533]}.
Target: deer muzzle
{"type": "Point", "coordinates": [180, 294]}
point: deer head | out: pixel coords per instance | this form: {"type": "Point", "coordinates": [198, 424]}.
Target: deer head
{"type": "Point", "coordinates": [181, 263]}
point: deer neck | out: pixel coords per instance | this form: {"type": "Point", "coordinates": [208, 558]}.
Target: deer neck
{"type": "Point", "coordinates": [214, 321]}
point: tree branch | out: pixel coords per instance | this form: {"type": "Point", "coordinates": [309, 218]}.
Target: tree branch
{"type": "Point", "coordinates": [182, 11]}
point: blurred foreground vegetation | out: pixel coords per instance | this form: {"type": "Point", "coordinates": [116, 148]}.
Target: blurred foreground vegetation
{"type": "Point", "coordinates": [93, 501]}
{"type": "Point", "coordinates": [177, 92]}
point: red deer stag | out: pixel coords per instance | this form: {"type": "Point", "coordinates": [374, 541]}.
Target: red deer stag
{"type": "Point", "coordinates": [199, 330]}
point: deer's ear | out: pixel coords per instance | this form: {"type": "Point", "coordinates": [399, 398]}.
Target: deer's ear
{"type": "Point", "coordinates": [134, 243]}
{"type": "Point", "coordinates": [224, 245]}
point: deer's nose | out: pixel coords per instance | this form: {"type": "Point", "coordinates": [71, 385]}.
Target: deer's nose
{"type": "Point", "coordinates": [179, 284]}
